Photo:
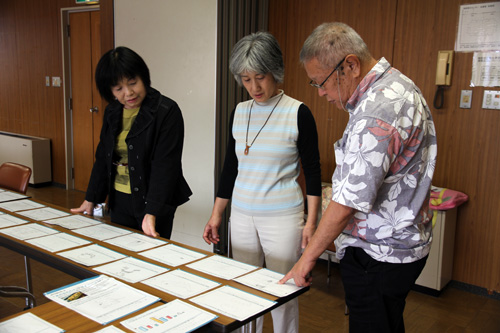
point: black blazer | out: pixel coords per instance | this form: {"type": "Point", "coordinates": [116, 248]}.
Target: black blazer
{"type": "Point", "coordinates": [155, 144]}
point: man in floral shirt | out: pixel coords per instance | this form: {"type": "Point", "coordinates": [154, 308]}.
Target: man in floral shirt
{"type": "Point", "coordinates": [379, 213]}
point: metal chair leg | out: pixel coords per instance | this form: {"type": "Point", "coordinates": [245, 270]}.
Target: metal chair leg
{"type": "Point", "coordinates": [29, 282]}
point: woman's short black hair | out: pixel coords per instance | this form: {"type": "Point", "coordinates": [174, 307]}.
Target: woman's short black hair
{"type": "Point", "coordinates": [117, 64]}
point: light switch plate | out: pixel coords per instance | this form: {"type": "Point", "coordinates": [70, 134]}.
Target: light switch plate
{"type": "Point", "coordinates": [56, 81]}
{"type": "Point", "coordinates": [491, 99]}
{"type": "Point", "coordinates": [465, 99]}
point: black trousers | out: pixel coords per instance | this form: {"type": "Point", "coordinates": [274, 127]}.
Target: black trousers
{"type": "Point", "coordinates": [123, 213]}
{"type": "Point", "coordinates": [376, 291]}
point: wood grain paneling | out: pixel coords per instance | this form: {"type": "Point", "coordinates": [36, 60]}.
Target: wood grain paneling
{"type": "Point", "coordinates": [408, 33]}
{"type": "Point", "coordinates": [468, 144]}
{"type": "Point", "coordinates": [30, 50]}
{"type": "Point", "coordinates": [292, 21]}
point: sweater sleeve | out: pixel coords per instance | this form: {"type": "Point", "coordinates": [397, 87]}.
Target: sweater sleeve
{"type": "Point", "coordinates": [230, 169]}
{"type": "Point", "coordinates": [307, 144]}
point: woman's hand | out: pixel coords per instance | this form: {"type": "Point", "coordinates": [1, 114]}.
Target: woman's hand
{"type": "Point", "coordinates": [86, 208]}
{"type": "Point", "coordinates": [211, 232]}
{"type": "Point", "coordinates": [149, 225]}
{"type": "Point", "coordinates": [307, 234]}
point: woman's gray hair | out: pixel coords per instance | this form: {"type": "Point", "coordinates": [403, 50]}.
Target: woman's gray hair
{"type": "Point", "coordinates": [330, 42]}
{"type": "Point", "coordinates": [260, 53]}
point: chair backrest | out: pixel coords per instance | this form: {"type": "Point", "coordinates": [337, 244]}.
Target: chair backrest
{"type": "Point", "coordinates": [15, 177]}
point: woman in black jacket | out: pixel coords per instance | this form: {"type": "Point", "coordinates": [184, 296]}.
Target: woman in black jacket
{"type": "Point", "coordinates": [138, 159]}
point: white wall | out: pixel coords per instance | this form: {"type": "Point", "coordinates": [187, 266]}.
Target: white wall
{"type": "Point", "coordinates": [177, 39]}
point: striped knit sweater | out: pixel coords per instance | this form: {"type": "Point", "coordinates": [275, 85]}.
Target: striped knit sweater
{"type": "Point", "coordinates": [266, 183]}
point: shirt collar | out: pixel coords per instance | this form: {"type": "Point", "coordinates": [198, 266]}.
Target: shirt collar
{"type": "Point", "coordinates": [371, 77]}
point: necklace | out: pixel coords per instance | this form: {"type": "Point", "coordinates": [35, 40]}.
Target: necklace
{"type": "Point", "coordinates": [248, 125]}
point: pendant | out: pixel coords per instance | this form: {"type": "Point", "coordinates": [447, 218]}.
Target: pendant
{"type": "Point", "coordinates": [246, 149]}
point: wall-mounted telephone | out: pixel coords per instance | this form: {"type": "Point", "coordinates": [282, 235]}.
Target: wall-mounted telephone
{"type": "Point", "coordinates": [443, 71]}
{"type": "Point", "coordinates": [443, 76]}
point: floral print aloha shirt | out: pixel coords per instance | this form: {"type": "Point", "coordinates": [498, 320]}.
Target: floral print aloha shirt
{"type": "Point", "coordinates": [385, 162]}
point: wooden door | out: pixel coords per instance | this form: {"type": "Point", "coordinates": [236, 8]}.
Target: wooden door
{"type": "Point", "coordinates": [87, 106]}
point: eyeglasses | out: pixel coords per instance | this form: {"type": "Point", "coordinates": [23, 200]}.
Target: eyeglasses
{"type": "Point", "coordinates": [320, 86]}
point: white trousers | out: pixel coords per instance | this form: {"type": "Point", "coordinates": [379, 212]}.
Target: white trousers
{"type": "Point", "coordinates": [274, 241]}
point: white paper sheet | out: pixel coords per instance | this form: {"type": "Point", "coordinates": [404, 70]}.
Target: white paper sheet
{"type": "Point", "coordinates": [102, 231]}
{"type": "Point", "coordinates": [267, 281]}
{"type": "Point", "coordinates": [92, 255]}
{"type": "Point", "coordinates": [181, 284]}
{"type": "Point", "coordinates": [16, 206]}
{"type": "Point", "coordinates": [478, 27]}
{"type": "Point", "coordinates": [135, 242]}
{"type": "Point", "coordinates": [172, 255]}
{"type": "Point", "coordinates": [110, 329]}
{"type": "Point", "coordinates": [58, 242]}
{"type": "Point", "coordinates": [7, 220]}
{"type": "Point", "coordinates": [131, 269]}
{"type": "Point", "coordinates": [174, 317]}
{"type": "Point", "coordinates": [222, 267]}
{"type": "Point", "coordinates": [101, 298]}
{"type": "Point", "coordinates": [28, 231]}
{"type": "Point", "coordinates": [45, 213]}
{"type": "Point", "coordinates": [73, 222]}
{"type": "Point", "coordinates": [28, 323]}
{"type": "Point", "coordinates": [233, 302]}
{"type": "Point", "coordinates": [9, 196]}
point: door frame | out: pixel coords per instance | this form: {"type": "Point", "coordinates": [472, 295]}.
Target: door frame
{"type": "Point", "coordinates": [68, 127]}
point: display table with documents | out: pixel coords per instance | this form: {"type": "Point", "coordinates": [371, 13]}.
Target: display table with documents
{"type": "Point", "coordinates": [131, 282]}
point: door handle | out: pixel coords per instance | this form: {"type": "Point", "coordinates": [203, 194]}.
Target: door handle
{"type": "Point", "coordinates": [94, 109]}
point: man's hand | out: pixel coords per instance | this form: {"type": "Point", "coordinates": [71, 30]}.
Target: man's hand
{"type": "Point", "coordinates": [300, 273]}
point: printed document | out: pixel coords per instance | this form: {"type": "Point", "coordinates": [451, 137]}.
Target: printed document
{"type": "Point", "coordinates": [9, 196]}
{"type": "Point", "coordinates": [28, 231]}
{"type": "Point", "coordinates": [16, 206]}
{"type": "Point", "coordinates": [58, 242]}
{"type": "Point", "coordinates": [110, 329]}
{"type": "Point", "coordinates": [73, 222]}
{"type": "Point", "coordinates": [172, 255]}
{"type": "Point", "coordinates": [101, 298]}
{"type": "Point", "coordinates": [174, 317]}
{"type": "Point", "coordinates": [222, 267]}
{"type": "Point", "coordinates": [92, 255]}
{"type": "Point", "coordinates": [102, 231]}
{"type": "Point", "coordinates": [181, 284]}
{"type": "Point", "coordinates": [131, 269]}
{"type": "Point", "coordinates": [7, 220]}
{"type": "Point", "coordinates": [233, 302]}
{"type": "Point", "coordinates": [135, 242]}
{"type": "Point", "coordinates": [28, 323]}
{"type": "Point", "coordinates": [45, 213]}
{"type": "Point", "coordinates": [267, 281]}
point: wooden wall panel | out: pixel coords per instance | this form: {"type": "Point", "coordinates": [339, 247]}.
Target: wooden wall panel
{"type": "Point", "coordinates": [30, 50]}
{"type": "Point", "coordinates": [468, 144]}
{"type": "Point", "coordinates": [292, 21]}
{"type": "Point", "coordinates": [409, 33]}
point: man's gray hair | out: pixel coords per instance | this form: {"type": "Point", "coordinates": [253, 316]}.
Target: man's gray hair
{"type": "Point", "coordinates": [330, 42]}
{"type": "Point", "coordinates": [260, 53]}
